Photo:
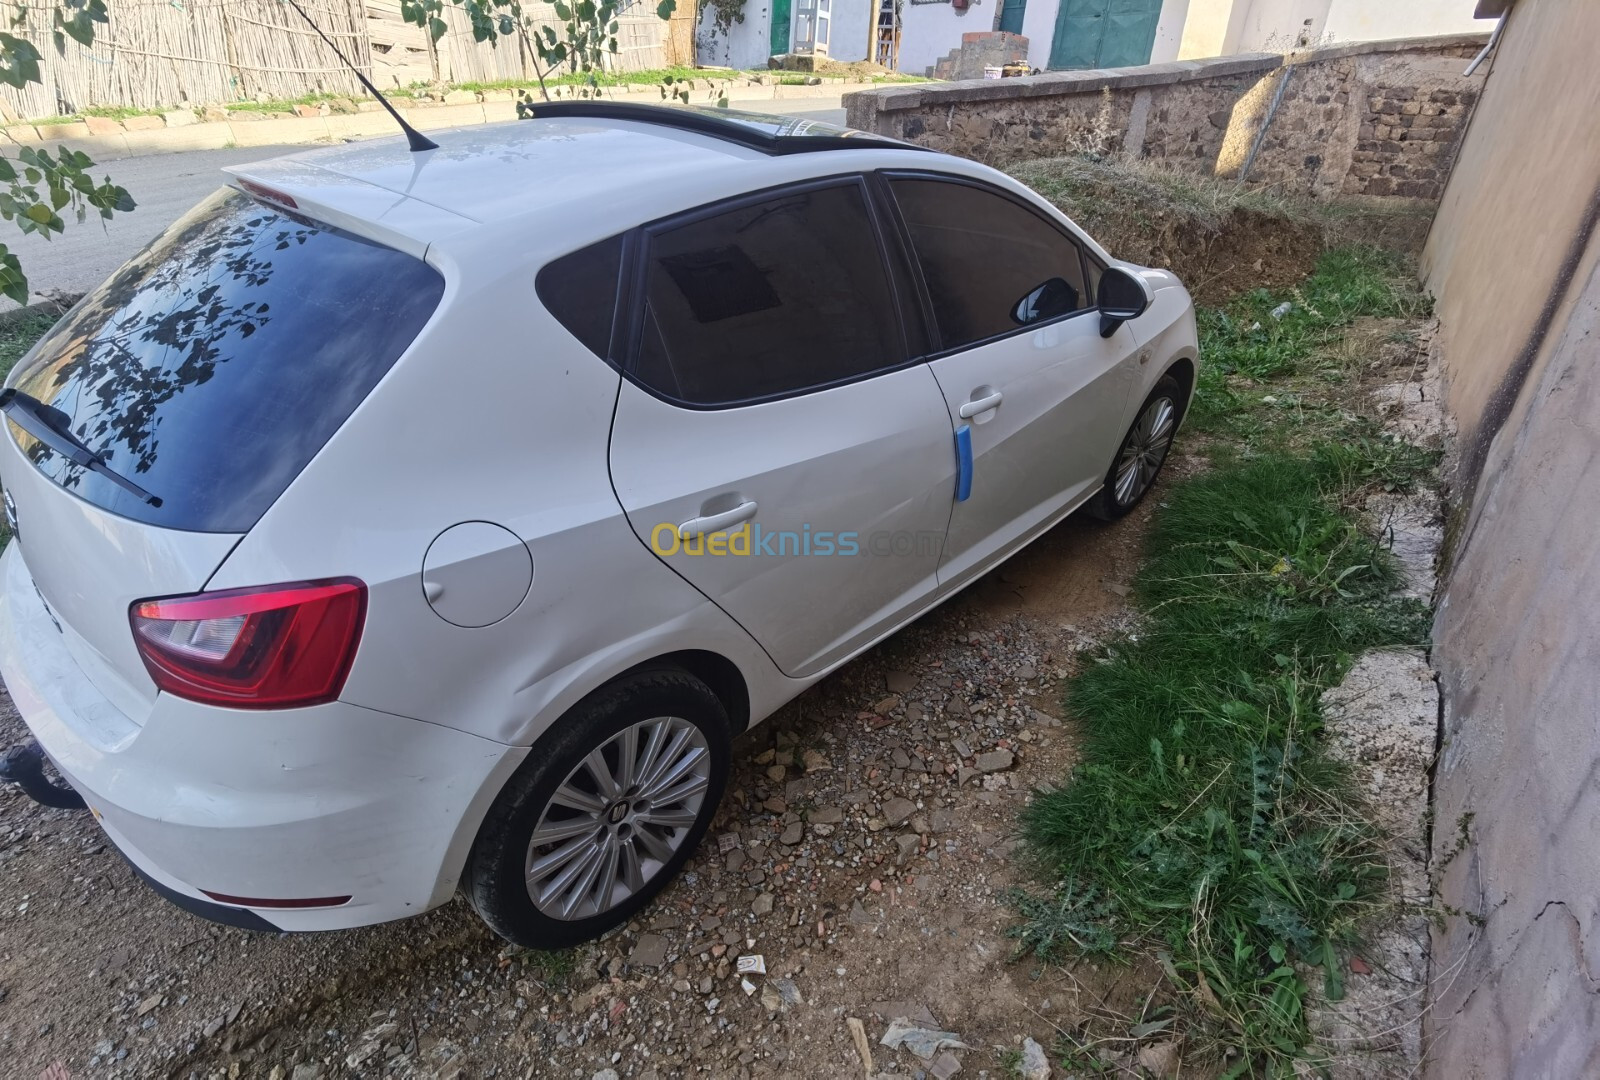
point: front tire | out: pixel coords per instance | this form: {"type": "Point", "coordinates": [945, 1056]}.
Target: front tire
{"type": "Point", "coordinates": [1143, 451]}
{"type": "Point", "coordinates": [604, 812]}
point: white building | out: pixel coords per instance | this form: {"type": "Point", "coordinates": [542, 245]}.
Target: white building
{"type": "Point", "coordinates": [843, 31]}
{"type": "Point", "coordinates": [1071, 34]}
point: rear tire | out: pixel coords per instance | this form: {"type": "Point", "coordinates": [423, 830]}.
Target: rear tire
{"type": "Point", "coordinates": [1142, 453]}
{"type": "Point", "coordinates": [611, 835]}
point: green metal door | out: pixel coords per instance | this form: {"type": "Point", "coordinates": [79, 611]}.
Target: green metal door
{"type": "Point", "coordinates": [780, 26]}
{"type": "Point", "coordinates": [1104, 33]}
{"type": "Point", "coordinates": [1011, 16]}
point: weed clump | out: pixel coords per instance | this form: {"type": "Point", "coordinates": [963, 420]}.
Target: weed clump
{"type": "Point", "coordinates": [1207, 818]}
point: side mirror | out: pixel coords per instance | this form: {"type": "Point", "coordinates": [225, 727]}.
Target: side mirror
{"type": "Point", "coordinates": [1047, 301]}
{"type": "Point", "coordinates": [1122, 296]}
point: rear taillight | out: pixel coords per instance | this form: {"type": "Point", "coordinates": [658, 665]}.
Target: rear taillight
{"type": "Point", "coordinates": [271, 647]}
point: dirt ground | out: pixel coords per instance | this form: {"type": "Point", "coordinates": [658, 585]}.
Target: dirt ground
{"type": "Point", "coordinates": [864, 851]}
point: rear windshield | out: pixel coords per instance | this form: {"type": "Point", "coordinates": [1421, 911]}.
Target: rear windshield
{"type": "Point", "coordinates": [216, 363]}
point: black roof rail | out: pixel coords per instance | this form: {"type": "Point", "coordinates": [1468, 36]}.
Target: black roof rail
{"type": "Point", "coordinates": [758, 131]}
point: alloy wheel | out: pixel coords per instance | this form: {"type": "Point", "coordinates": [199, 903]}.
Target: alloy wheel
{"type": "Point", "coordinates": [618, 818]}
{"type": "Point", "coordinates": [1145, 449]}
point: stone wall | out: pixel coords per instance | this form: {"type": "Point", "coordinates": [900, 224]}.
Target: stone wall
{"type": "Point", "coordinates": [977, 51]}
{"type": "Point", "coordinates": [1372, 119]}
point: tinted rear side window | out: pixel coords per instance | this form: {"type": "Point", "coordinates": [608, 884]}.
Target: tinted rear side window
{"type": "Point", "coordinates": [580, 290]}
{"type": "Point", "coordinates": [768, 299]}
{"type": "Point", "coordinates": [214, 365]}
{"type": "Point", "coordinates": [991, 264]}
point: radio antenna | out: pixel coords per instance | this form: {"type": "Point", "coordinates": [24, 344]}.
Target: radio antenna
{"type": "Point", "coordinates": [417, 140]}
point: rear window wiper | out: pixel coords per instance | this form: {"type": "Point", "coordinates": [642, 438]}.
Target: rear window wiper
{"type": "Point", "coordinates": [52, 427]}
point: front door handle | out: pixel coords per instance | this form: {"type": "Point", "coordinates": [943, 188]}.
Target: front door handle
{"type": "Point", "coordinates": [983, 404]}
{"type": "Point", "coordinates": [713, 523]}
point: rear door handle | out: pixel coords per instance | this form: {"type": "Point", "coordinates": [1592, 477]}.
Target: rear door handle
{"type": "Point", "coordinates": [712, 523]}
{"type": "Point", "coordinates": [983, 404]}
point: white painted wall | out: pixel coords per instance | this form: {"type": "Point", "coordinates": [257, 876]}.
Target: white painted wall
{"type": "Point", "coordinates": [749, 44]}
{"type": "Point", "coordinates": [1374, 20]}
{"type": "Point", "coordinates": [1169, 31]}
{"type": "Point", "coordinates": [1277, 25]}
{"type": "Point", "coordinates": [852, 29]}
{"type": "Point", "coordinates": [746, 45]}
{"type": "Point", "coordinates": [1269, 25]}
{"type": "Point", "coordinates": [929, 31]}
{"type": "Point", "coordinates": [1039, 27]}
{"type": "Point", "coordinates": [1214, 27]}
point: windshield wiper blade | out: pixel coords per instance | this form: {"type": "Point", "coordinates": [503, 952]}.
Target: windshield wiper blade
{"type": "Point", "coordinates": [50, 426]}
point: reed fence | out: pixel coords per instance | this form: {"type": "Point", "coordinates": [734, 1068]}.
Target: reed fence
{"type": "Point", "coordinates": [157, 54]}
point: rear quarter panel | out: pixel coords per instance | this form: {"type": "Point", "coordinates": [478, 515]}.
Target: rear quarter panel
{"type": "Point", "coordinates": [495, 414]}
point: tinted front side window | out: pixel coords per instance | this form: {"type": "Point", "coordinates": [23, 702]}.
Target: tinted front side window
{"type": "Point", "coordinates": [215, 364]}
{"type": "Point", "coordinates": [768, 299]}
{"type": "Point", "coordinates": [991, 264]}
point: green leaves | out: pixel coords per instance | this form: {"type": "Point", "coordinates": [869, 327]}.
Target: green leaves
{"type": "Point", "coordinates": [19, 61]}
{"type": "Point", "coordinates": [35, 196]}
{"type": "Point", "coordinates": [13, 284]}
{"type": "Point", "coordinates": [48, 184]}
{"type": "Point", "coordinates": [584, 43]}
{"type": "Point", "coordinates": [76, 19]}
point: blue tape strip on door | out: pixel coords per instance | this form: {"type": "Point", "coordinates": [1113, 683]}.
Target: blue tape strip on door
{"type": "Point", "coordinates": [963, 462]}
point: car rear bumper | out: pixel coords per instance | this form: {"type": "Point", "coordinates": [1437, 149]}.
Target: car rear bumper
{"type": "Point", "coordinates": [330, 801]}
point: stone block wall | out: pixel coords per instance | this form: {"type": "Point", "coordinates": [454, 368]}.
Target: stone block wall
{"type": "Point", "coordinates": [994, 48]}
{"type": "Point", "coordinates": [1378, 119]}
{"type": "Point", "coordinates": [1405, 145]}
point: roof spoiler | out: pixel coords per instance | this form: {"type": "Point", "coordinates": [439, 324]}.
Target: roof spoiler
{"type": "Point", "coordinates": [775, 135]}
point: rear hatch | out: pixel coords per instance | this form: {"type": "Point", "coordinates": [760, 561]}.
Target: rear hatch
{"type": "Point", "coordinates": [208, 371]}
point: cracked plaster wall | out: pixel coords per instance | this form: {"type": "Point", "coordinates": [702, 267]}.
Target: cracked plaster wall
{"type": "Point", "coordinates": [1515, 971]}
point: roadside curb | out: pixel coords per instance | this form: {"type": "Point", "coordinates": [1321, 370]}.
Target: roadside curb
{"type": "Point", "coordinates": [58, 307]}
{"type": "Point", "coordinates": [106, 140]}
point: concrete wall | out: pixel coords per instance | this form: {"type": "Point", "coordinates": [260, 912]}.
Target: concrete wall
{"type": "Point", "coordinates": [1039, 27]}
{"type": "Point", "coordinates": [1278, 25]}
{"type": "Point", "coordinates": [1515, 267]}
{"type": "Point", "coordinates": [1225, 27]}
{"type": "Point", "coordinates": [1522, 185]}
{"type": "Point", "coordinates": [852, 30]}
{"type": "Point", "coordinates": [1369, 20]}
{"type": "Point", "coordinates": [745, 45]}
{"type": "Point", "coordinates": [1169, 31]}
{"type": "Point", "coordinates": [1207, 28]}
{"type": "Point", "coordinates": [1378, 119]}
{"type": "Point", "coordinates": [749, 44]}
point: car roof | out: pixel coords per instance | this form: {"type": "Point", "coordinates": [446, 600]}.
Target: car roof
{"type": "Point", "coordinates": [570, 166]}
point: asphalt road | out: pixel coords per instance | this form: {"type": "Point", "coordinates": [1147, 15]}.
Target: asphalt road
{"type": "Point", "coordinates": [166, 185]}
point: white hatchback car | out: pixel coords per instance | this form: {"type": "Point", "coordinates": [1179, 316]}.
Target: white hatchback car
{"type": "Point", "coordinates": [400, 523]}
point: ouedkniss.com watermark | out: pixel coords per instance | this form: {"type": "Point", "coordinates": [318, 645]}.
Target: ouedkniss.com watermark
{"type": "Point", "coordinates": [751, 540]}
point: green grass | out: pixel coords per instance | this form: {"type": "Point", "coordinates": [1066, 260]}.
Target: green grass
{"type": "Point", "coordinates": [118, 112]}
{"type": "Point", "coordinates": [553, 969]}
{"type": "Point", "coordinates": [1247, 338]}
{"type": "Point", "coordinates": [18, 332]}
{"type": "Point", "coordinates": [1207, 821]}
{"type": "Point", "coordinates": [1266, 378]}
{"type": "Point", "coordinates": [285, 105]}
{"type": "Point", "coordinates": [618, 78]}
{"type": "Point", "coordinates": [700, 77]}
